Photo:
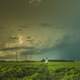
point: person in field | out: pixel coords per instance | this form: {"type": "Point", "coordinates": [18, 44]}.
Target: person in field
{"type": "Point", "coordinates": [46, 60]}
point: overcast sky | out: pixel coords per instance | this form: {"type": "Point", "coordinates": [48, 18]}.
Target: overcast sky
{"type": "Point", "coordinates": [51, 27]}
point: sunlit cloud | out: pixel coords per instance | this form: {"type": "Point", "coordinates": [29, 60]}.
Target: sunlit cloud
{"type": "Point", "coordinates": [7, 54]}
{"type": "Point", "coordinates": [35, 2]}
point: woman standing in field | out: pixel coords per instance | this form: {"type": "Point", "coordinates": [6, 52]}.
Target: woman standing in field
{"type": "Point", "coordinates": [46, 60]}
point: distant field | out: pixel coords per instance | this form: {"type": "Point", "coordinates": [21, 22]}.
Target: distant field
{"type": "Point", "coordinates": [39, 71]}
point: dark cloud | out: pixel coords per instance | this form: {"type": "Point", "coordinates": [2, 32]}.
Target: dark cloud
{"type": "Point", "coordinates": [15, 48]}
{"type": "Point", "coordinates": [69, 48]}
{"type": "Point", "coordinates": [30, 52]}
{"type": "Point", "coordinates": [53, 25]}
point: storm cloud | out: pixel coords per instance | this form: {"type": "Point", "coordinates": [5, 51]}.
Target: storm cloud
{"type": "Point", "coordinates": [51, 27]}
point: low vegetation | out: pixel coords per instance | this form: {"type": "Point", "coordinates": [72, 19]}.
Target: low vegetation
{"type": "Point", "coordinates": [39, 71]}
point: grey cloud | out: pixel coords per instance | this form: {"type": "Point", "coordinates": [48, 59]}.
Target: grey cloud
{"type": "Point", "coordinates": [69, 49]}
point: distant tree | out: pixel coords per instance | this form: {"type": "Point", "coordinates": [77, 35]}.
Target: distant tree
{"type": "Point", "coordinates": [42, 60]}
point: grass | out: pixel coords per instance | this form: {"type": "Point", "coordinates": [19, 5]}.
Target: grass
{"type": "Point", "coordinates": [39, 70]}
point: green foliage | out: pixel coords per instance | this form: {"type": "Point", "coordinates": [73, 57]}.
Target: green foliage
{"type": "Point", "coordinates": [39, 71]}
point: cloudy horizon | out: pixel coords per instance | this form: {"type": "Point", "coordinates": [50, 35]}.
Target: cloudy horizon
{"type": "Point", "coordinates": [40, 28]}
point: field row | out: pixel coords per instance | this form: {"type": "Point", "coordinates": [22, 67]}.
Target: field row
{"type": "Point", "coordinates": [40, 71]}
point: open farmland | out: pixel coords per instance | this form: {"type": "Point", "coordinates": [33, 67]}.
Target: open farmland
{"type": "Point", "coordinates": [39, 71]}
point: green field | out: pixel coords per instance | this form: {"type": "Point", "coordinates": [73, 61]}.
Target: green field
{"type": "Point", "coordinates": [39, 71]}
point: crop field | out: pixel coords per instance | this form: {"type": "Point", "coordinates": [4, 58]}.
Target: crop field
{"type": "Point", "coordinates": [39, 71]}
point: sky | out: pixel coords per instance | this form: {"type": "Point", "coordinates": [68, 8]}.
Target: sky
{"type": "Point", "coordinates": [37, 29]}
